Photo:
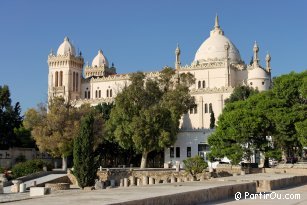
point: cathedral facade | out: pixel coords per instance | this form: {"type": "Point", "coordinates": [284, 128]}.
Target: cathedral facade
{"type": "Point", "coordinates": [217, 67]}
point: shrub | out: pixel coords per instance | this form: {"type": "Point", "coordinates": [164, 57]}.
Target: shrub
{"type": "Point", "coordinates": [29, 167]}
{"type": "Point", "coordinates": [195, 165]}
{"type": "Point", "coordinates": [1, 170]}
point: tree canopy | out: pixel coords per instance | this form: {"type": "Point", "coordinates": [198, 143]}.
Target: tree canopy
{"type": "Point", "coordinates": [146, 113]}
{"type": "Point", "coordinates": [267, 121]}
{"type": "Point", "coordinates": [10, 119]}
{"type": "Point", "coordinates": [55, 130]}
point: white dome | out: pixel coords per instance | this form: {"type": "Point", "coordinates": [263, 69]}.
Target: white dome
{"type": "Point", "coordinates": [66, 47]}
{"type": "Point", "coordinates": [100, 60]}
{"type": "Point", "coordinates": [214, 47]}
{"type": "Point", "coordinates": [257, 73]}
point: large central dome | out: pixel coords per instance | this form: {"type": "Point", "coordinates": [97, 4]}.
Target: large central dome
{"type": "Point", "coordinates": [214, 47]}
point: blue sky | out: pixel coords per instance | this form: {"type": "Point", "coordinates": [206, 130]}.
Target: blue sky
{"type": "Point", "coordinates": [141, 35]}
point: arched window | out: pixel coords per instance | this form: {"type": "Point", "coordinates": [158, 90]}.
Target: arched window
{"type": "Point", "coordinates": [88, 94]}
{"type": "Point", "coordinates": [210, 107]}
{"type": "Point", "coordinates": [206, 108]}
{"type": "Point", "coordinates": [96, 94]}
{"type": "Point", "coordinates": [107, 93]}
{"type": "Point", "coordinates": [56, 79]}
{"type": "Point", "coordinates": [85, 94]}
{"type": "Point", "coordinates": [99, 93]}
{"type": "Point", "coordinates": [110, 93]}
{"type": "Point", "coordinates": [204, 84]}
{"type": "Point", "coordinates": [61, 78]}
{"type": "Point", "coordinates": [199, 84]}
{"type": "Point", "coordinates": [195, 110]}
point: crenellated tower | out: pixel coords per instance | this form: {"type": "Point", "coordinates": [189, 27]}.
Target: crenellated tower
{"type": "Point", "coordinates": [65, 72]}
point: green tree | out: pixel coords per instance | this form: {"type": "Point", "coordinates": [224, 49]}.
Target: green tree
{"type": "Point", "coordinates": [147, 112]}
{"type": "Point", "coordinates": [55, 130]}
{"type": "Point", "coordinates": [241, 93]}
{"type": "Point", "coordinates": [246, 124]}
{"type": "Point", "coordinates": [10, 119]}
{"type": "Point", "coordinates": [84, 160]}
{"type": "Point", "coordinates": [212, 120]}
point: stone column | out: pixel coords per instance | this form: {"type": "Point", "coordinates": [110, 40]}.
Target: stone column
{"type": "Point", "coordinates": [173, 179]}
{"type": "Point", "coordinates": [33, 184]}
{"type": "Point", "coordinates": [1, 187]}
{"type": "Point", "coordinates": [121, 182]}
{"type": "Point", "coordinates": [22, 187]}
{"type": "Point", "coordinates": [112, 182]}
{"type": "Point", "coordinates": [126, 182]}
{"type": "Point", "coordinates": [132, 181]}
{"type": "Point", "coordinates": [177, 166]}
{"type": "Point", "coordinates": [138, 182]}
{"type": "Point", "coordinates": [145, 180]}
{"type": "Point", "coordinates": [151, 180]}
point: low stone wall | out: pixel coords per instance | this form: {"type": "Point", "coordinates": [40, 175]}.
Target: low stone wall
{"type": "Point", "coordinates": [225, 170]}
{"type": "Point", "coordinates": [285, 169]}
{"type": "Point", "coordinates": [268, 185]}
{"type": "Point", "coordinates": [158, 175]}
{"type": "Point", "coordinates": [57, 186]}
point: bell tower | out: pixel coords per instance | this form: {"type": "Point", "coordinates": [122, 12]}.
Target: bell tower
{"type": "Point", "coordinates": [65, 72]}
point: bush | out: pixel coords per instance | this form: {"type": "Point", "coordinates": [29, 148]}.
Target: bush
{"type": "Point", "coordinates": [195, 165]}
{"type": "Point", "coordinates": [29, 167]}
{"type": "Point", "coordinates": [1, 170]}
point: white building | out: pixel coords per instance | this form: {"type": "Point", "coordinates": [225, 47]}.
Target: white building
{"type": "Point", "coordinates": [217, 67]}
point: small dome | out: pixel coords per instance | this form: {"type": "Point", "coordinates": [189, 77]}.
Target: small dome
{"type": "Point", "coordinates": [100, 60]}
{"type": "Point", "coordinates": [66, 47]}
{"type": "Point", "coordinates": [214, 46]}
{"type": "Point", "coordinates": [257, 73]}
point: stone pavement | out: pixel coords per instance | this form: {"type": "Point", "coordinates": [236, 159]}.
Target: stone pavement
{"type": "Point", "coordinates": [173, 193]}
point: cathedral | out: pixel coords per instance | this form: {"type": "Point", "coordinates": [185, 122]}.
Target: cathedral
{"type": "Point", "coordinates": [217, 67]}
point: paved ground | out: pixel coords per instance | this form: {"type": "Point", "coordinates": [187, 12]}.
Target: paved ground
{"type": "Point", "coordinates": [117, 195]}
{"type": "Point", "coordinates": [278, 197]}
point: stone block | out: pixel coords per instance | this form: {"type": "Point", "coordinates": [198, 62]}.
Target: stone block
{"type": "Point", "coordinates": [99, 185]}
{"type": "Point", "coordinates": [15, 186]}
{"type": "Point", "coordinates": [39, 191]}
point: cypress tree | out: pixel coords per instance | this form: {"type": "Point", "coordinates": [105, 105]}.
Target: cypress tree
{"type": "Point", "coordinates": [84, 160]}
{"type": "Point", "coordinates": [212, 120]}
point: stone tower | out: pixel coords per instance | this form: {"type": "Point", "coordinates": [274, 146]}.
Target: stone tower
{"type": "Point", "coordinates": [65, 72]}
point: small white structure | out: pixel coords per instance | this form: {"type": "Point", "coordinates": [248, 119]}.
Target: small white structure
{"type": "Point", "coordinates": [39, 191]}
{"type": "Point", "coordinates": [217, 67]}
